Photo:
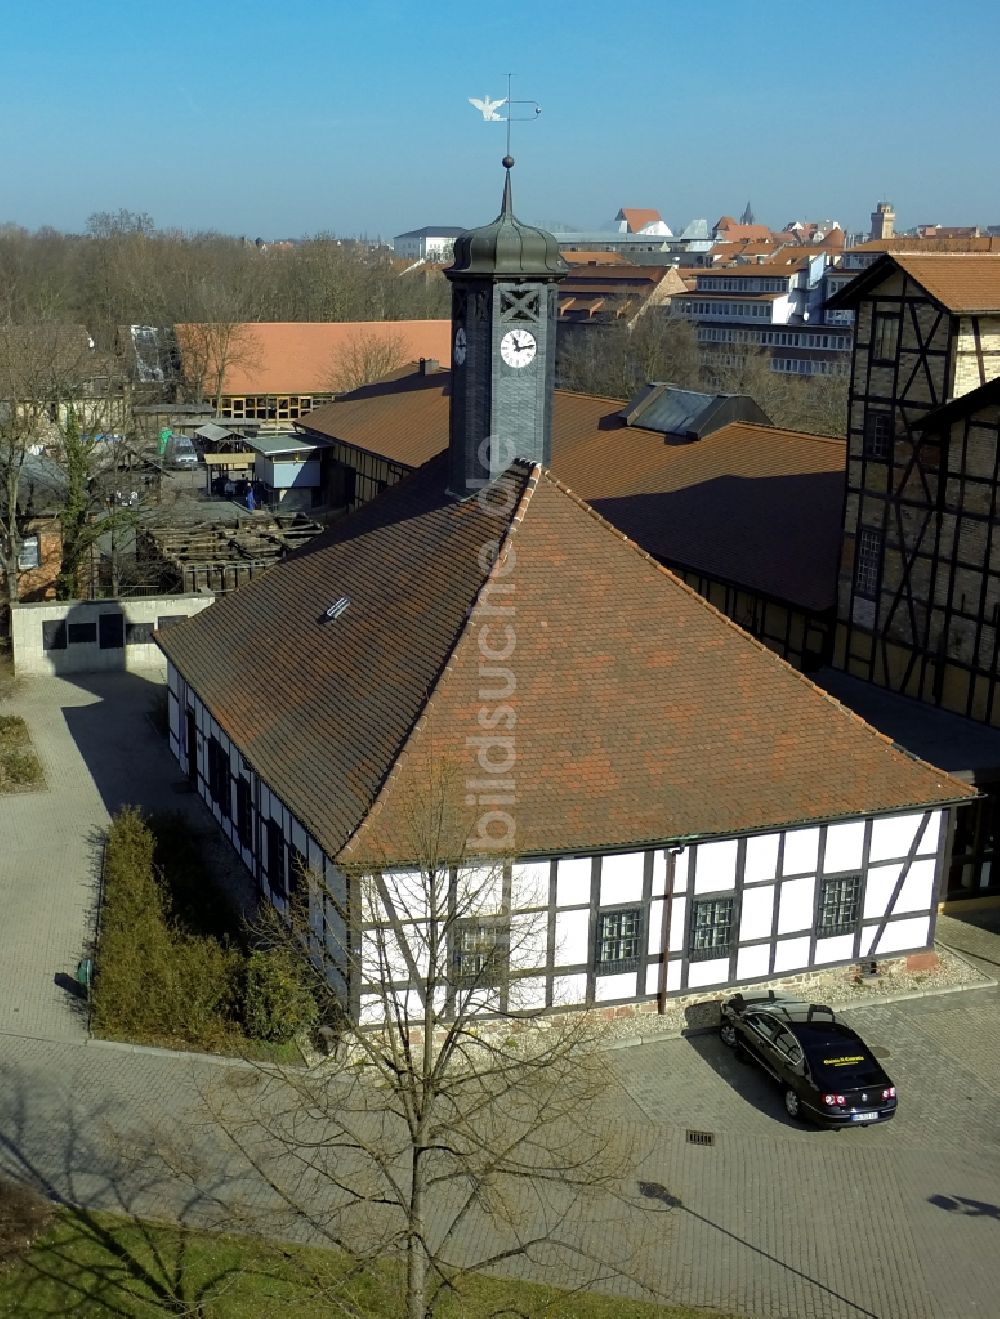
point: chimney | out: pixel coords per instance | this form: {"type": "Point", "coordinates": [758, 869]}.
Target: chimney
{"type": "Point", "coordinates": [428, 365]}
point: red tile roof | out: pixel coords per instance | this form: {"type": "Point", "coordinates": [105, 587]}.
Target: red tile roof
{"type": "Point", "coordinates": [301, 357]}
{"type": "Point", "coordinates": [640, 714]}
{"type": "Point", "coordinates": [637, 217]}
{"type": "Point", "coordinates": [962, 282]}
{"type": "Point", "coordinates": [754, 505]}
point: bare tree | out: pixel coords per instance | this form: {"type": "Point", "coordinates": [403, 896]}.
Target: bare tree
{"type": "Point", "coordinates": [369, 355]}
{"type": "Point", "coordinates": [460, 1126]}
{"type": "Point", "coordinates": [617, 358]}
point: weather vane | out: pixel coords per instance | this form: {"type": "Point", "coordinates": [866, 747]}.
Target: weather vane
{"type": "Point", "coordinates": [489, 109]}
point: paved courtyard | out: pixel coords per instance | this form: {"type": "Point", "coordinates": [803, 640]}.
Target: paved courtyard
{"type": "Point", "coordinates": [771, 1220]}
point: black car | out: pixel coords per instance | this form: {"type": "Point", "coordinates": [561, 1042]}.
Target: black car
{"type": "Point", "coordinates": [827, 1072]}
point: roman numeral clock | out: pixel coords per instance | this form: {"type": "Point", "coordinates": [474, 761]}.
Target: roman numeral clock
{"type": "Point", "coordinates": [504, 302]}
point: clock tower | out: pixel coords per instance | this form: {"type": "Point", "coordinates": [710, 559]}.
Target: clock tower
{"type": "Point", "coordinates": [503, 320]}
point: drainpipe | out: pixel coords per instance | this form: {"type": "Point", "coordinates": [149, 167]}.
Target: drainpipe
{"type": "Point", "coordinates": [672, 853]}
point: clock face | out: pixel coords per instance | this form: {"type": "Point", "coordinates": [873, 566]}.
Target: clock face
{"type": "Point", "coordinates": [461, 346]}
{"type": "Point", "coordinates": [518, 348]}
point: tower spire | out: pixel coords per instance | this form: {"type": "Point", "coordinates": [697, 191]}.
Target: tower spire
{"type": "Point", "coordinates": [506, 207]}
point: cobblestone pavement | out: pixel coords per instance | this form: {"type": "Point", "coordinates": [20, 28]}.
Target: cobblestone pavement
{"type": "Point", "coordinates": [898, 1221]}
{"type": "Point", "coordinates": [771, 1220]}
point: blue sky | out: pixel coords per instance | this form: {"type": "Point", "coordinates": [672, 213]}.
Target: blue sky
{"type": "Point", "coordinates": [300, 116]}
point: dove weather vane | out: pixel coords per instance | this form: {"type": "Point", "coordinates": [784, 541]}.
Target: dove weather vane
{"type": "Point", "coordinates": [489, 110]}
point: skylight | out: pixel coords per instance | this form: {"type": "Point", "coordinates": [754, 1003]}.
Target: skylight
{"type": "Point", "coordinates": [337, 608]}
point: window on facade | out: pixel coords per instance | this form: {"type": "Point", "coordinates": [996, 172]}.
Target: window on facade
{"type": "Point", "coordinates": [110, 631]}
{"type": "Point", "coordinates": [275, 869]}
{"type": "Point", "coordinates": [138, 634]}
{"type": "Point", "coordinates": [218, 776]}
{"type": "Point", "coordinates": [878, 435]}
{"type": "Point", "coordinates": [54, 635]}
{"type": "Point", "coordinates": [712, 928]}
{"type": "Point", "coordinates": [244, 812]}
{"type": "Point", "coordinates": [28, 555]}
{"type": "Point", "coordinates": [480, 950]}
{"type": "Point", "coordinates": [885, 337]}
{"type": "Point", "coordinates": [619, 940]}
{"type": "Point", "coordinates": [868, 563]}
{"type": "Point", "coordinates": [82, 634]}
{"type": "Point", "coordinates": [839, 904]}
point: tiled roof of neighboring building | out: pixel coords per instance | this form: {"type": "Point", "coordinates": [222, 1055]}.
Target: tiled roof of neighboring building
{"type": "Point", "coordinates": [642, 715]}
{"type": "Point", "coordinates": [983, 396]}
{"type": "Point", "coordinates": [594, 258]}
{"type": "Point", "coordinates": [637, 217]}
{"type": "Point", "coordinates": [916, 245]}
{"type": "Point", "coordinates": [752, 505]}
{"type": "Point", "coordinates": [303, 357]}
{"type": "Point", "coordinates": [960, 281]}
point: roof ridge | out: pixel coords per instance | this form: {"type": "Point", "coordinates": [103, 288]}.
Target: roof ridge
{"type": "Point", "coordinates": [771, 655]}
{"type": "Point", "coordinates": [400, 760]}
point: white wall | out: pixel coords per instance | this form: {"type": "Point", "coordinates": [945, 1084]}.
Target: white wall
{"type": "Point", "coordinates": [88, 656]}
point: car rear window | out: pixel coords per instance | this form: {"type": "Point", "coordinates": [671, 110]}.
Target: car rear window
{"type": "Point", "coordinates": [838, 1057]}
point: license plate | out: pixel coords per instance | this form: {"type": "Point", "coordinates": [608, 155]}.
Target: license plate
{"type": "Point", "coordinates": [864, 1117]}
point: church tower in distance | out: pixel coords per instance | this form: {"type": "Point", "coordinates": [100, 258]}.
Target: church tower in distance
{"type": "Point", "coordinates": [503, 314]}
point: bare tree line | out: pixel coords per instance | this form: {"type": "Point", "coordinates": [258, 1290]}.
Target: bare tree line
{"type": "Point", "coordinates": [617, 359]}
{"type": "Point", "coordinates": [124, 271]}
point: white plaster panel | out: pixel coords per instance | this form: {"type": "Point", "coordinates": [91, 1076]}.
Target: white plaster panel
{"type": "Point", "coordinates": [173, 681]}
{"type": "Point", "coordinates": [528, 940]}
{"type": "Point", "coordinates": [407, 890]}
{"type": "Point", "coordinates": [713, 972]}
{"type": "Point", "coordinates": [652, 979]}
{"type": "Point", "coordinates": [572, 937]}
{"type": "Point", "coordinates": [371, 1010]}
{"type": "Point", "coordinates": [573, 880]}
{"type": "Point", "coordinates": [173, 716]}
{"type": "Point", "coordinates": [918, 887]}
{"type": "Point", "coordinates": [715, 868]}
{"type": "Point", "coordinates": [913, 933]}
{"type": "Point", "coordinates": [265, 801]}
{"type": "Point", "coordinates": [791, 954]}
{"type": "Point", "coordinates": [678, 924]}
{"type": "Point", "coordinates": [682, 870]}
{"type": "Point", "coordinates": [795, 910]}
{"type": "Point", "coordinates": [893, 836]}
{"type": "Point", "coordinates": [801, 852]}
{"type": "Point", "coordinates": [757, 911]}
{"type": "Point", "coordinates": [314, 857]}
{"type": "Point", "coordinates": [480, 889]}
{"type": "Point", "coordinates": [655, 933]}
{"type": "Point", "coordinates": [619, 986]}
{"type": "Point", "coordinates": [761, 860]}
{"type": "Point", "coordinates": [932, 835]}
{"type": "Point", "coordinates": [879, 884]}
{"type": "Point", "coordinates": [753, 962]}
{"type": "Point", "coordinates": [838, 948]}
{"type": "Point", "coordinates": [235, 760]}
{"type": "Point", "coordinates": [528, 993]}
{"type": "Point", "coordinates": [567, 991]}
{"type": "Point", "coordinates": [845, 845]}
{"type": "Point", "coordinates": [673, 976]}
{"type": "Point", "coordinates": [621, 878]}
{"type": "Point", "coordinates": [529, 883]}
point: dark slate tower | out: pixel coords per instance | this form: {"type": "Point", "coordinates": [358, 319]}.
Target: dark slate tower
{"type": "Point", "coordinates": [503, 317]}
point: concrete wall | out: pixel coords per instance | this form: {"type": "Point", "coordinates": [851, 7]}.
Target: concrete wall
{"type": "Point", "coordinates": [93, 636]}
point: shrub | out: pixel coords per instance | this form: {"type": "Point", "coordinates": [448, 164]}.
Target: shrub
{"type": "Point", "coordinates": [277, 1003]}
{"type": "Point", "coordinates": [24, 1215]}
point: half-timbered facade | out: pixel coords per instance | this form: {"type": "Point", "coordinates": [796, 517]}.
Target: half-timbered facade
{"type": "Point", "coordinates": [477, 671]}
{"type": "Point", "coordinates": [917, 594]}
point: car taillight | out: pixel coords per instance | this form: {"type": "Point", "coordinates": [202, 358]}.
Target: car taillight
{"type": "Point", "coordinates": [833, 1100]}
{"type": "Point", "coordinates": [890, 1093]}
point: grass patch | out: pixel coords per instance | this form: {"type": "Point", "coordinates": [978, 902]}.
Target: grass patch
{"type": "Point", "coordinates": [20, 769]}
{"type": "Point", "coordinates": [99, 1264]}
{"type": "Point", "coordinates": [174, 968]}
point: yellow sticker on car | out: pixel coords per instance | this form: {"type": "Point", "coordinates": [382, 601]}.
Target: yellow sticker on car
{"type": "Point", "coordinates": [843, 1062]}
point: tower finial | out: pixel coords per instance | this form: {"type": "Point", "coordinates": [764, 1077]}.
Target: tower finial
{"type": "Point", "coordinates": [507, 208]}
